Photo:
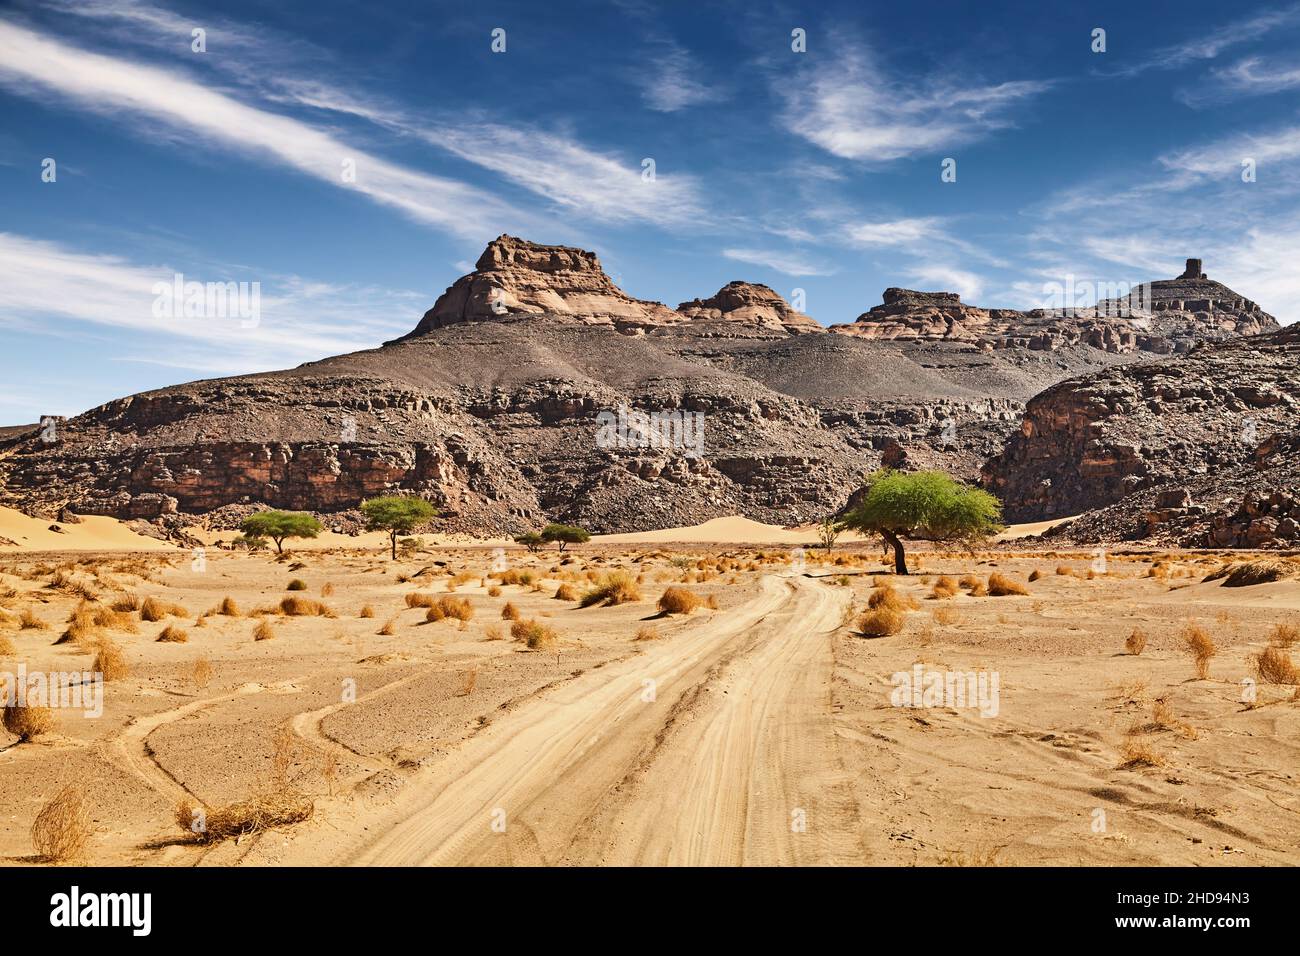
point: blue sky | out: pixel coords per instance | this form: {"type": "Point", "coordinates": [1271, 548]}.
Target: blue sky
{"type": "Point", "coordinates": [817, 171]}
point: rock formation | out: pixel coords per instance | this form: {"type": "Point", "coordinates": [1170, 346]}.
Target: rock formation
{"type": "Point", "coordinates": [1186, 437]}
{"type": "Point", "coordinates": [514, 276]}
{"type": "Point", "coordinates": [751, 303]}
{"type": "Point", "coordinates": [1162, 317]}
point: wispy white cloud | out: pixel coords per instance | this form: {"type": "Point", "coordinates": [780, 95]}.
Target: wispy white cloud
{"type": "Point", "coordinates": [34, 64]}
{"type": "Point", "coordinates": [300, 319]}
{"type": "Point", "coordinates": [669, 80]}
{"type": "Point", "coordinates": [1209, 45]}
{"type": "Point", "coordinates": [789, 263]}
{"type": "Point", "coordinates": [850, 108]}
{"type": "Point", "coordinates": [1253, 76]}
{"type": "Point", "coordinates": [896, 232]}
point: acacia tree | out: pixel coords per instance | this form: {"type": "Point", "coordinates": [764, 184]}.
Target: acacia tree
{"type": "Point", "coordinates": [279, 525]}
{"type": "Point", "coordinates": [530, 540]}
{"type": "Point", "coordinates": [828, 530]}
{"type": "Point", "coordinates": [396, 514]}
{"type": "Point", "coordinates": [925, 505]}
{"type": "Point", "coordinates": [565, 534]}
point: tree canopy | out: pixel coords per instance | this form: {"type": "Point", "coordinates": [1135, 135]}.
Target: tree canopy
{"type": "Point", "coordinates": [565, 534]}
{"type": "Point", "coordinates": [279, 525]}
{"type": "Point", "coordinates": [531, 540]}
{"type": "Point", "coordinates": [925, 505]}
{"type": "Point", "coordinates": [396, 514]}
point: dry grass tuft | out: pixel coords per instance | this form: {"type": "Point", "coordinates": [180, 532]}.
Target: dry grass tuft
{"type": "Point", "coordinates": [1274, 666]}
{"type": "Point", "coordinates": [62, 830]}
{"type": "Point", "coordinates": [1034, 575]}
{"type": "Point", "coordinates": [296, 606]}
{"type": "Point", "coordinates": [566, 592]}
{"type": "Point", "coordinates": [110, 661]}
{"type": "Point", "coordinates": [1001, 586]}
{"type": "Point", "coordinates": [1136, 642]}
{"type": "Point", "coordinates": [201, 673]}
{"type": "Point", "coordinates": [420, 599]}
{"type": "Point", "coordinates": [228, 607]}
{"type": "Point", "coordinates": [1200, 645]}
{"type": "Point", "coordinates": [678, 601]}
{"type": "Point", "coordinates": [1284, 635]}
{"type": "Point", "coordinates": [264, 631]}
{"type": "Point", "coordinates": [509, 612]}
{"type": "Point", "coordinates": [536, 635]}
{"type": "Point", "coordinates": [469, 682]}
{"type": "Point", "coordinates": [647, 633]}
{"type": "Point", "coordinates": [27, 621]}
{"type": "Point", "coordinates": [171, 634]}
{"type": "Point", "coordinates": [153, 609]}
{"type": "Point", "coordinates": [27, 721]}
{"type": "Point", "coordinates": [297, 584]}
{"type": "Point", "coordinates": [127, 601]}
{"type": "Point", "coordinates": [453, 607]}
{"type": "Point", "coordinates": [262, 812]}
{"type": "Point", "coordinates": [1138, 753]}
{"type": "Point", "coordinates": [882, 621]}
{"type": "Point", "coordinates": [615, 587]}
{"type": "Point", "coordinates": [389, 628]}
{"type": "Point", "coordinates": [945, 588]}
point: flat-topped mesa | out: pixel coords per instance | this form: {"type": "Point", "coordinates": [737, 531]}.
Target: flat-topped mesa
{"type": "Point", "coordinates": [514, 276]}
{"type": "Point", "coordinates": [909, 314]}
{"type": "Point", "coordinates": [752, 303]}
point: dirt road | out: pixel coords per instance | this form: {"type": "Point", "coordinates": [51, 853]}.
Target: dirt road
{"type": "Point", "coordinates": [713, 747]}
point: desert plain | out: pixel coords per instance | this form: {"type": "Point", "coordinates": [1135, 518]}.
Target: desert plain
{"type": "Point", "coordinates": [460, 705]}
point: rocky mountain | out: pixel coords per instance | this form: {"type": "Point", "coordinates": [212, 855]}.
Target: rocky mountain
{"type": "Point", "coordinates": [752, 303]}
{"type": "Point", "coordinates": [535, 389]}
{"type": "Point", "coordinates": [1162, 317]}
{"type": "Point", "coordinates": [515, 277]}
{"type": "Point", "coordinates": [1199, 449]}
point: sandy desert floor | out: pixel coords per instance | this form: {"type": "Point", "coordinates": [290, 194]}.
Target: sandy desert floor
{"type": "Point", "coordinates": [760, 730]}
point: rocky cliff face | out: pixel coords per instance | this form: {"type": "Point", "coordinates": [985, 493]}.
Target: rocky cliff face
{"type": "Point", "coordinates": [1216, 418]}
{"type": "Point", "coordinates": [751, 303]}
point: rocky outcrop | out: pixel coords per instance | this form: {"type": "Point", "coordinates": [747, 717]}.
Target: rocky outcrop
{"type": "Point", "coordinates": [1088, 443]}
{"type": "Point", "coordinates": [1164, 317]}
{"type": "Point", "coordinates": [514, 276]}
{"type": "Point", "coordinates": [751, 303]}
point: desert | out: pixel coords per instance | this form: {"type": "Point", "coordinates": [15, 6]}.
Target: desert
{"type": "Point", "coordinates": [759, 727]}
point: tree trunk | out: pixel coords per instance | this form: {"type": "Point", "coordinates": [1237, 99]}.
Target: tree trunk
{"type": "Point", "coordinates": [900, 560]}
{"type": "Point", "coordinates": [392, 536]}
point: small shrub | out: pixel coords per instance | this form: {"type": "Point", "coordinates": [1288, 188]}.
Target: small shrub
{"type": "Point", "coordinates": [296, 606]}
{"type": "Point", "coordinates": [678, 601]}
{"type": "Point", "coordinates": [1138, 753]}
{"type": "Point", "coordinates": [1001, 586]}
{"type": "Point", "coordinates": [62, 829]}
{"type": "Point", "coordinates": [420, 599]}
{"type": "Point", "coordinates": [27, 621]}
{"type": "Point", "coordinates": [494, 591]}
{"type": "Point", "coordinates": [275, 809]}
{"type": "Point", "coordinates": [566, 592]}
{"type": "Point", "coordinates": [389, 628]}
{"type": "Point", "coordinates": [1136, 641]}
{"type": "Point", "coordinates": [944, 588]}
{"type": "Point", "coordinates": [881, 621]}
{"type": "Point", "coordinates": [366, 611]}
{"type": "Point", "coordinates": [615, 587]}
{"type": "Point", "coordinates": [536, 635]}
{"type": "Point", "coordinates": [127, 601]}
{"type": "Point", "coordinates": [110, 661]}
{"type": "Point", "coordinates": [1034, 575]}
{"type": "Point", "coordinates": [1284, 635]}
{"type": "Point", "coordinates": [152, 609]}
{"type": "Point", "coordinates": [228, 607]}
{"type": "Point", "coordinates": [646, 633]}
{"type": "Point", "coordinates": [264, 631]}
{"type": "Point", "coordinates": [27, 721]}
{"type": "Point", "coordinates": [171, 634]}
{"type": "Point", "coordinates": [297, 584]}
{"type": "Point", "coordinates": [509, 612]}
{"type": "Point", "coordinates": [1200, 645]}
{"type": "Point", "coordinates": [1274, 666]}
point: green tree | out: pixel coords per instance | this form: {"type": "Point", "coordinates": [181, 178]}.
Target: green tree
{"type": "Point", "coordinates": [397, 515]}
{"type": "Point", "coordinates": [532, 541]}
{"type": "Point", "coordinates": [828, 530]}
{"type": "Point", "coordinates": [925, 505]}
{"type": "Point", "coordinates": [279, 525]}
{"type": "Point", "coordinates": [565, 534]}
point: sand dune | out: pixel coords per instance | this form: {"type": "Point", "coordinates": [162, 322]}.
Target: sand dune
{"type": "Point", "coordinates": [91, 533]}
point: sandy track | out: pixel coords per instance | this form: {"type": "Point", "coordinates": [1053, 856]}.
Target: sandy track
{"type": "Point", "coordinates": [733, 745]}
